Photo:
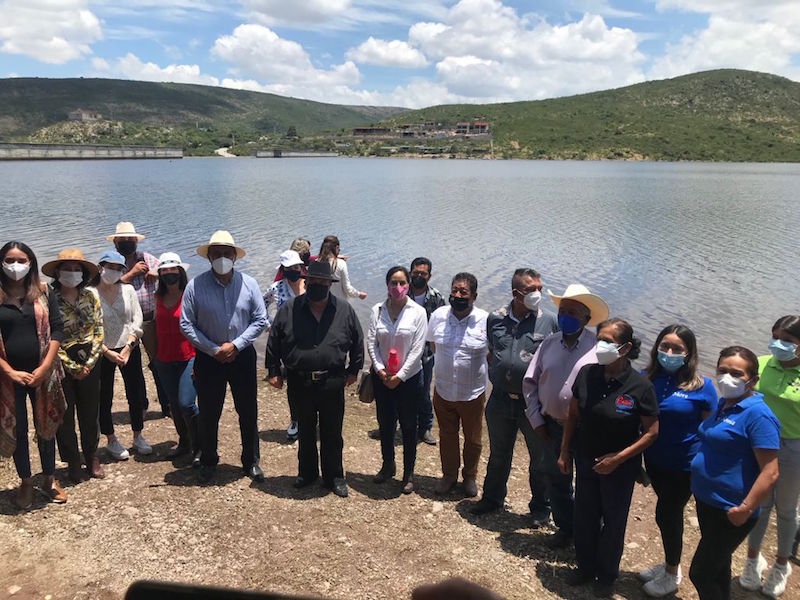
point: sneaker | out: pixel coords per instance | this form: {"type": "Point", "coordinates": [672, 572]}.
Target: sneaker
{"type": "Point", "coordinates": [665, 584]}
{"type": "Point", "coordinates": [775, 583]}
{"type": "Point", "coordinates": [141, 445]}
{"type": "Point", "coordinates": [117, 451]}
{"type": "Point", "coordinates": [750, 579]}
{"type": "Point", "coordinates": [653, 572]}
{"type": "Point", "coordinates": [292, 430]}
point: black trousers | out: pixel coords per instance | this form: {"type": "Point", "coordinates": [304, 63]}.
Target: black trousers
{"type": "Point", "coordinates": [133, 378]}
{"type": "Point", "coordinates": [673, 489]}
{"type": "Point", "coordinates": [601, 516]}
{"type": "Point", "coordinates": [711, 566]}
{"type": "Point", "coordinates": [82, 396]}
{"type": "Point", "coordinates": [211, 378]}
{"type": "Point", "coordinates": [323, 403]}
{"type": "Point", "coordinates": [401, 403]}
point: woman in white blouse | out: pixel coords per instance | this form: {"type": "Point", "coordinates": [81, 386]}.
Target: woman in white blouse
{"type": "Point", "coordinates": [329, 251]}
{"type": "Point", "coordinates": [122, 330]}
{"type": "Point", "coordinates": [395, 341]}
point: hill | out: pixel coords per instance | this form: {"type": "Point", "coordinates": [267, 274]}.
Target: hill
{"type": "Point", "coordinates": [724, 115]}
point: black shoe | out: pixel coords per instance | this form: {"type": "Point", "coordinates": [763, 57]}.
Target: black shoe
{"type": "Point", "coordinates": [539, 520]}
{"type": "Point", "coordinates": [560, 539]}
{"type": "Point", "coordinates": [576, 578]}
{"type": "Point", "coordinates": [602, 590]}
{"type": "Point", "coordinates": [339, 487]}
{"type": "Point", "coordinates": [178, 451]}
{"type": "Point", "coordinates": [255, 473]}
{"type": "Point", "coordinates": [483, 506]}
{"type": "Point", "coordinates": [196, 464]}
{"type": "Point", "coordinates": [374, 434]}
{"type": "Point", "coordinates": [302, 482]}
{"type": "Point", "coordinates": [386, 472]}
{"type": "Point", "coordinates": [206, 473]}
{"type": "Point", "coordinates": [166, 412]}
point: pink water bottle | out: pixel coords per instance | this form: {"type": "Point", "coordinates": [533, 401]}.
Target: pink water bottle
{"type": "Point", "coordinates": [393, 362]}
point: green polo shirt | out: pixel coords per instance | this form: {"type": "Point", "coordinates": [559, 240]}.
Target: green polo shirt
{"type": "Point", "coordinates": [781, 390]}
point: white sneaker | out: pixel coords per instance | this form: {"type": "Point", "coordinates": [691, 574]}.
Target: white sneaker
{"type": "Point", "coordinates": [775, 583]}
{"type": "Point", "coordinates": [141, 445]}
{"type": "Point", "coordinates": [750, 579]}
{"type": "Point", "coordinates": [117, 451]}
{"type": "Point", "coordinates": [292, 430]}
{"type": "Point", "coordinates": [664, 585]}
{"type": "Point", "coordinates": [653, 572]}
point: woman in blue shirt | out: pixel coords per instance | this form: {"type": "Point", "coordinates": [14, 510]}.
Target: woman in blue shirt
{"type": "Point", "coordinates": [734, 469]}
{"type": "Point", "coordinates": [685, 399]}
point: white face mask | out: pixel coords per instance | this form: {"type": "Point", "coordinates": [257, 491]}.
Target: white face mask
{"type": "Point", "coordinates": [70, 279]}
{"type": "Point", "coordinates": [532, 300]}
{"type": "Point", "coordinates": [606, 352]}
{"type": "Point", "coordinates": [730, 386]}
{"type": "Point", "coordinates": [110, 276]}
{"type": "Point", "coordinates": [16, 270]}
{"type": "Point", "coordinates": [222, 265]}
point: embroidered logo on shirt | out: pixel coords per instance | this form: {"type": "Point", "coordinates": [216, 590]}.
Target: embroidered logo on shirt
{"type": "Point", "coordinates": [729, 421]}
{"type": "Point", "coordinates": [624, 404]}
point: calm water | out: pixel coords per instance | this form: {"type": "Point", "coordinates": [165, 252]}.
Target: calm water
{"type": "Point", "coordinates": [712, 246]}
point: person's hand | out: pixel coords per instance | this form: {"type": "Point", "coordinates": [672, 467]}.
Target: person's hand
{"type": "Point", "coordinates": [606, 463]}
{"type": "Point", "coordinates": [20, 377]}
{"type": "Point", "coordinates": [564, 463]}
{"type": "Point", "coordinates": [738, 515]}
{"type": "Point", "coordinates": [362, 295]}
{"type": "Point", "coordinates": [351, 379]}
{"type": "Point", "coordinates": [344, 257]}
{"type": "Point", "coordinates": [226, 353]}
{"type": "Point", "coordinates": [276, 382]}
{"type": "Point", "coordinates": [82, 374]}
{"type": "Point", "coordinates": [125, 352]}
{"type": "Point", "coordinates": [140, 268]}
{"type": "Point", "coordinates": [38, 376]}
{"type": "Point", "coordinates": [541, 431]}
{"type": "Point", "coordinates": [392, 382]}
{"type": "Point", "coordinates": [116, 358]}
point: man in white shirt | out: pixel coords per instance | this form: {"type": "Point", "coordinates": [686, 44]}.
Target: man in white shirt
{"type": "Point", "coordinates": [458, 334]}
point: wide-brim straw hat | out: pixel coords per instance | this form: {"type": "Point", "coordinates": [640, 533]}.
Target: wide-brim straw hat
{"type": "Point", "coordinates": [598, 308]}
{"type": "Point", "coordinates": [125, 229]}
{"type": "Point", "coordinates": [221, 238]}
{"type": "Point", "coordinates": [171, 259]}
{"type": "Point", "coordinates": [68, 255]}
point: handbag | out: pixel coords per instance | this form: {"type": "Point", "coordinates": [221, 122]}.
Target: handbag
{"type": "Point", "coordinates": [366, 392]}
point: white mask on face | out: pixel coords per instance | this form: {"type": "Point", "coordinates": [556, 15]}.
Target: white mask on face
{"type": "Point", "coordinates": [532, 300]}
{"type": "Point", "coordinates": [222, 265]}
{"type": "Point", "coordinates": [16, 270]}
{"type": "Point", "coordinates": [110, 276]}
{"type": "Point", "coordinates": [70, 279]}
{"type": "Point", "coordinates": [730, 386]}
{"type": "Point", "coordinates": [606, 352]}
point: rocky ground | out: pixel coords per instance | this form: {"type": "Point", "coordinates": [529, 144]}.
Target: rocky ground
{"type": "Point", "coordinates": [150, 520]}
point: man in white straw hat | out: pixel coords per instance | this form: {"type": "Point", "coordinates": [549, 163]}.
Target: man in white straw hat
{"type": "Point", "coordinates": [141, 274]}
{"type": "Point", "coordinates": [547, 387]}
{"type": "Point", "coordinates": [222, 314]}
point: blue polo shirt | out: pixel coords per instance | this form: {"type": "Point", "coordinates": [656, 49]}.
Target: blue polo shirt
{"type": "Point", "coordinates": [725, 467]}
{"type": "Point", "coordinates": [679, 416]}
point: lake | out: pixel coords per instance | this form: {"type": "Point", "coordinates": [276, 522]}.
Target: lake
{"type": "Point", "coordinates": [713, 246]}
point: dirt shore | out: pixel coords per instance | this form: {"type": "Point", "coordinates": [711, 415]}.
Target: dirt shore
{"type": "Point", "coordinates": [150, 520]}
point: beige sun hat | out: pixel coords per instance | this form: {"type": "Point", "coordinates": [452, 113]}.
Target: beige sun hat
{"type": "Point", "coordinates": [220, 238]}
{"type": "Point", "coordinates": [171, 259]}
{"type": "Point", "coordinates": [68, 255]}
{"type": "Point", "coordinates": [124, 229]}
{"type": "Point", "coordinates": [598, 308]}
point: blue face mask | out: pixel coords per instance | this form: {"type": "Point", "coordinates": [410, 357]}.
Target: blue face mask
{"type": "Point", "coordinates": [671, 362]}
{"type": "Point", "coordinates": [568, 325]}
{"type": "Point", "coordinates": [782, 351]}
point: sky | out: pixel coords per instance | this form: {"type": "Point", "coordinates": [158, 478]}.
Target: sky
{"type": "Point", "coordinates": [410, 53]}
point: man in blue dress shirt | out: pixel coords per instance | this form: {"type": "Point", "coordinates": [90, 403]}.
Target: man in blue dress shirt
{"type": "Point", "coordinates": [222, 314]}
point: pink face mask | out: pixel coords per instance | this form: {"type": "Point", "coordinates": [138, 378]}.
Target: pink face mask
{"type": "Point", "coordinates": [398, 292]}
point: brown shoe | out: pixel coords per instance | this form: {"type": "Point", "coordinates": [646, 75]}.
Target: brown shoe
{"type": "Point", "coordinates": [24, 497]}
{"type": "Point", "coordinates": [445, 484]}
{"type": "Point", "coordinates": [53, 491]}
{"type": "Point", "coordinates": [470, 488]}
{"type": "Point", "coordinates": [408, 485]}
{"type": "Point", "coordinates": [95, 469]}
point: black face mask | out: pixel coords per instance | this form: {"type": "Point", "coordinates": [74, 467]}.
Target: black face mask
{"type": "Point", "coordinates": [170, 278]}
{"type": "Point", "coordinates": [305, 258]}
{"type": "Point", "coordinates": [317, 292]}
{"type": "Point", "coordinates": [418, 282]}
{"type": "Point", "coordinates": [126, 248]}
{"type": "Point", "coordinates": [292, 275]}
{"type": "Point", "coordinates": [459, 304]}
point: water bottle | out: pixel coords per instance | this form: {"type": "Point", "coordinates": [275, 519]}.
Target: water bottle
{"type": "Point", "coordinates": [393, 362]}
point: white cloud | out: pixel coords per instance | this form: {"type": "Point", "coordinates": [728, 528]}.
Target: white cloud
{"type": "Point", "coordinates": [271, 12]}
{"type": "Point", "coordinates": [395, 53]}
{"type": "Point", "coordinates": [49, 31]}
{"type": "Point", "coordinates": [131, 67]}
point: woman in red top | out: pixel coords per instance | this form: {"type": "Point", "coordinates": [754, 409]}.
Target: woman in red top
{"type": "Point", "coordinates": [175, 355]}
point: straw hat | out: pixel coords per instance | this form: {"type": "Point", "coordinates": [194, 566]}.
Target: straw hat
{"type": "Point", "coordinates": [220, 238]}
{"type": "Point", "coordinates": [171, 259]}
{"type": "Point", "coordinates": [124, 230]}
{"type": "Point", "coordinates": [68, 254]}
{"type": "Point", "coordinates": [596, 305]}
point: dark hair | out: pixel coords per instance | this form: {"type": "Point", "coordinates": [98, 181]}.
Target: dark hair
{"type": "Point", "coordinates": [524, 272]}
{"type": "Point", "coordinates": [687, 374]}
{"type": "Point", "coordinates": [745, 353]}
{"type": "Point", "coordinates": [472, 282]}
{"type": "Point", "coordinates": [56, 284]}
{"type": "Point", "coordinates": [329, 249]}
{"type": "Point", "coordinates": [397, 269]}
{"type": "Point", "coordinates": [161, 291]}
{"type": "Point", "coordinates": [624, 335]}
{"type": "Point", "coordinates": [32, 283]}
{"type": "Point", "coordinates": [421, 260]}
{"type": "Point", "coordinates": [790, 324]}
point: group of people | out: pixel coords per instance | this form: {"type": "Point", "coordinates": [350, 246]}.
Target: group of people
{"type": "Point", "coordinates": [592, 424]}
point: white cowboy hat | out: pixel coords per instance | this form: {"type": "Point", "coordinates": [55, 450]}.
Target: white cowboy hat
{"type": "Point", "coordinates": [170, 259]}
{"type": "Point", "coordinates": [125, 229]}
{"type": "Point", "coordinates": [290, 258]}
{"type": "Point", "coordinates": [598, 308]}
{"type": "Point", "coordinates": [220, 238]}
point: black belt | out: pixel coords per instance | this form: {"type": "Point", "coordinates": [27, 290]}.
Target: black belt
{"type": "Point", "coordinates": [318, 376]}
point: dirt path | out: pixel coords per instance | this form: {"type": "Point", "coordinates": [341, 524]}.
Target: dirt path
{"type": "Point", "coordinates": [149, 520]}
{"type": "Point", "coordinates": [223, 152]}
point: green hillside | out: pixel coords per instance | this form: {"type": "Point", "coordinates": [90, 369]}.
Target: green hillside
{"type": "Point", "coordinates": [724, 115]}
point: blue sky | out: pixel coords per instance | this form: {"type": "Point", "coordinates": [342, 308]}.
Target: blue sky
{"type": "Point", "coordinates": [408, 53]}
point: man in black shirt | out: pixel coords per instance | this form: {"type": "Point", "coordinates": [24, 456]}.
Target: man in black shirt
{"type": "Point", "coordinates": [313, 336]}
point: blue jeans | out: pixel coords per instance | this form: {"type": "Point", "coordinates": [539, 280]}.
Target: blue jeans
{"type": "Point", "coordinates": [425, 410]}
{"type": "Point", "coordinates": [22, 456]}
{"type": "Point", "coordinates": [504, 418]}
{"type": "Point", "coordinates": [176, 379]}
